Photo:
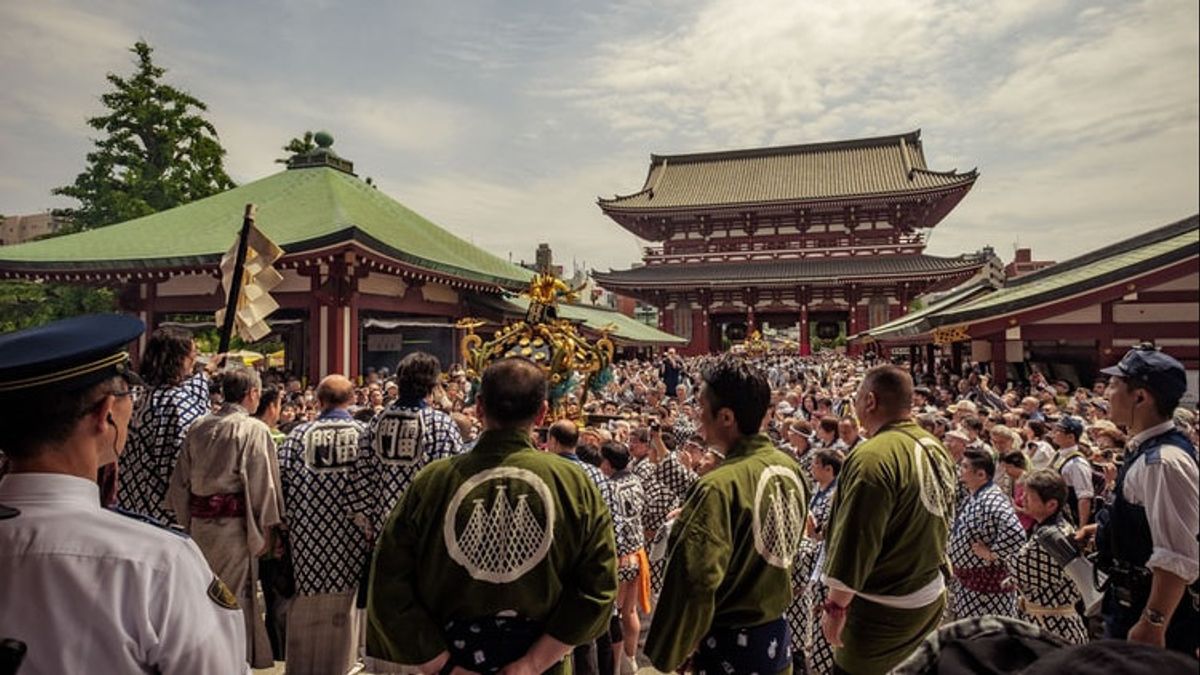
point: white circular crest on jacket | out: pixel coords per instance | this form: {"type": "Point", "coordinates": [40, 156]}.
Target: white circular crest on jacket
{"type": "Point", "coordinates": [935, 482]}
{"type": "Point", "coordinates": [502, 538]}
{"type": "Point", "coordinates": [778, 516]}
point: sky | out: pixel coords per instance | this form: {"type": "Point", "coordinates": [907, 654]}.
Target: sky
{"type": "Point", "coordinates": [504, 120]}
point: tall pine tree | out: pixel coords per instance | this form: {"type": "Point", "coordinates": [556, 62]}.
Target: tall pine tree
{"type": "Point", "coordinates": [156, 152]}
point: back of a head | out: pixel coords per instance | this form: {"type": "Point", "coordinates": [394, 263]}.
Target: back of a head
{"type": "Point", "coordinates": [162, 360]}
{"type": "Point", "coordinates": [416, 375]}
{"type": "Point", "coordinates": [980, 460]}
{"type": "Point", "coordinates": [271, 395]}
{"type": "Point", "coordinates": [893, 389]}
{"type": "Point", "coordinates": [617, 455]}
{"type": "Point", "coordinates": [237, 383]}
{"type": "Point", "coordinates": [565, 433]}
{"type": "Point", "coordinates": [335, 391]}
{"type": "Point", "coordinates": [511, 392]}
{"type": "Point", "coordinates": [734, 383]}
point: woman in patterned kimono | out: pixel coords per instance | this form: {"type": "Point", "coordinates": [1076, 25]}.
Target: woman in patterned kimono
{"type": "Point", "coordinates": [628, 501]}
{"type": "Point", "coordinates": [175, 398]}
{"type": "Point", "coordinates": [826, 465]}
{"type": "Point", "coordinates": [1048, 596]}
{"type": "Point", "coordinates": [986, 535]}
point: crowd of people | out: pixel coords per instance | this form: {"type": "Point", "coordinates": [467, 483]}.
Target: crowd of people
{"type": "Point", "coordinates": [713, 513]}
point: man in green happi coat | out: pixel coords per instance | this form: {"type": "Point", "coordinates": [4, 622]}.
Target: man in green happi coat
{"type": "Point", "coordinates": [728, 578]}
{"type": "Point", "coordinates": [890, 524]}
{"type": "Point", "coordinates": [498, 560]}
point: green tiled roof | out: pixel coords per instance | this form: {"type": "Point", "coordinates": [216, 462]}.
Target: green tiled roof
{"type": "Point", "coordinates": [1101, 268]}
{"type": "Point", "coordinates": [1126, 258]}
{"type": "Point", "coordinates": [860, 168]}
{"type": "Point", "coordinates": [629, 330]}
{"type": "Point", "coordinates": [300, 209]}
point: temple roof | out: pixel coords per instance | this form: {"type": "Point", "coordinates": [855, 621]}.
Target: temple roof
{"type": "Point", "coordinates": [301, 209]}
{"type": "Point", "coordinates": [816, 172]}
{"type": "Point", "coordinates": [804, 270]}
{"type": "Point", "coordinates": [1108, 269]}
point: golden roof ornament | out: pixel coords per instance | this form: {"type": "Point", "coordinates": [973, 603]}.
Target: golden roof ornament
{"type": "Point", "coordinates": [568, 358]}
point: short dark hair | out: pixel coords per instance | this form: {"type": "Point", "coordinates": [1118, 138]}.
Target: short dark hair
{"type": "Point", "coordinates": [1164, 404]}
{"type": "Point", "coordinates": [1038, 427]}
{"type": "Point", "coordinates": [980, 460]}
{"type": "Point", "coordinates": [565, 433]}
{"type": "Point", "coordinates": [47, 416]}
{"type": "Point", "coordinates": [588, 455]}
{"type": "Point", "coordinates": [973, 423]}
{"type": "Point", "coordinates": [830, 458]}
{"type": "Point", "coordinates": [512, 391]}
{"type": "Point", "coordinates": [1016, 458]}
{"type": "Point", "coordinates": [733, 383]}
{"type": "Point", "coordinates": [617, 454]}
{"type": "Point", "coordinates": [238, 382]}
{"type": "Point", "coordinates": [270, 394]}
{"type": "Point", "coordinates": [162, 360]}
{"type": "Point", "coordinates": [828, 424]}
{"type": "Point", "coordinates": [416, 375]}
{"type": "Point", "coordinates": [893, 388]}
{"type": "Point", "coordinates": [1048, 484]}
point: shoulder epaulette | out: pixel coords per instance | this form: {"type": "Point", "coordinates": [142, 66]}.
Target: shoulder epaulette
{"type": "Point", "coordinates": [149, 520]}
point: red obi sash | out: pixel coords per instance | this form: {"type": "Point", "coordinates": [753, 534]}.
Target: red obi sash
{"type": "Point", "coordinates": [982, 579]}
{"type": "Point", "coordinates": [228, 505]}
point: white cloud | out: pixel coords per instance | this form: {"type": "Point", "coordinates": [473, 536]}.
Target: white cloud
{"type": "Point", "coordinates": [1077, 116]}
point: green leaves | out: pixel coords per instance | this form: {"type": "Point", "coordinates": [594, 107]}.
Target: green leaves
{"type": "Point", "coordinates": [156, 152]}
{"type": "Point", "coordinates": [31, 303]}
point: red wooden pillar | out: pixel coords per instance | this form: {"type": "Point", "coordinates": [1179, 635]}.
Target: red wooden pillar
{"type": "Point", "coordinates": [700, 343]}
{"type": "Point", "coordinates": [354, 326]}
{"type": "Point", "coordinates": [666, 320]}
{"type": "Point", "coordinates": [999, 361]}
{"type": "Point", "coordinates": [805, 342]}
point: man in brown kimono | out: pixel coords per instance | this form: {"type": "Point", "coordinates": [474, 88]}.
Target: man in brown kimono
{"type": "Point", "coordinates": [225, 492]}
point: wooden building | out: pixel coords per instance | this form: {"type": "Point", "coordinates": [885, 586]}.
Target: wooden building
{"type": "Point", "coordinates": [826, 239]}
{"type": "Point", "coordinates": [1072, 318]}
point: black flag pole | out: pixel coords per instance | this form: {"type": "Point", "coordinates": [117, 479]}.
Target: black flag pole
{"type": "Point", "coordinates": [235, 287]}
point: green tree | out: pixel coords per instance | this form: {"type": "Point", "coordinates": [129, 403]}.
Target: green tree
{"type": "Point", "coordinates": [298, 146]}
{"type": "Point", "coordinates": [30, 303]}
{"type": "Point", "coordinates": [157, 151]}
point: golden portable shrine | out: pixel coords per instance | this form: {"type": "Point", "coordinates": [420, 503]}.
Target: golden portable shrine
{"type": "Point", "coordinates": [554, 344]}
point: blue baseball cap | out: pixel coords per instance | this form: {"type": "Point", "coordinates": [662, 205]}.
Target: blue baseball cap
{"type": "Point", "coordinates": [1071, 425]}
{"type": "Point", "coordinates": [1158, 372]}
{"type": "Point", "coordinates": [67, 355]}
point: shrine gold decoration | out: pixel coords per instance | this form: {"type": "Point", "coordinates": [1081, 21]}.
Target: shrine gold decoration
{"type": "Point", "coordinates": [553, 344]}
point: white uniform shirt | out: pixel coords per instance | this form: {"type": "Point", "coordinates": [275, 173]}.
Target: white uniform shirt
{"type": "Point", "coordinates": [1077, 472]}
{"type": "Point", "coordinates": [1169, 490]}
{"type": "Point", "coordinates": [92, 591]}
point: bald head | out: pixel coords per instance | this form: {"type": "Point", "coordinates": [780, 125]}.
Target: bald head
{"type": "Point", "coordinates": [335, 391]}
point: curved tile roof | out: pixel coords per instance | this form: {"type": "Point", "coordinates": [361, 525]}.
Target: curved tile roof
{"type": "Point", "coordinates": [888, 165]}
{"type": "Point", "coordinates": [299, 209]}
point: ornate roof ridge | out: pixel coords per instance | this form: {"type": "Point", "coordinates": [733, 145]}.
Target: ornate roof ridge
{"type": "Point", "coordinates": [912, 137]}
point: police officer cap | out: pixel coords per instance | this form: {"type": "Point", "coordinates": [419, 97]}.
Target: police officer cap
{"type": "Point", "coordinates": [67, 355]}
{"type": "Point", "coordinates": [1161, 373]}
